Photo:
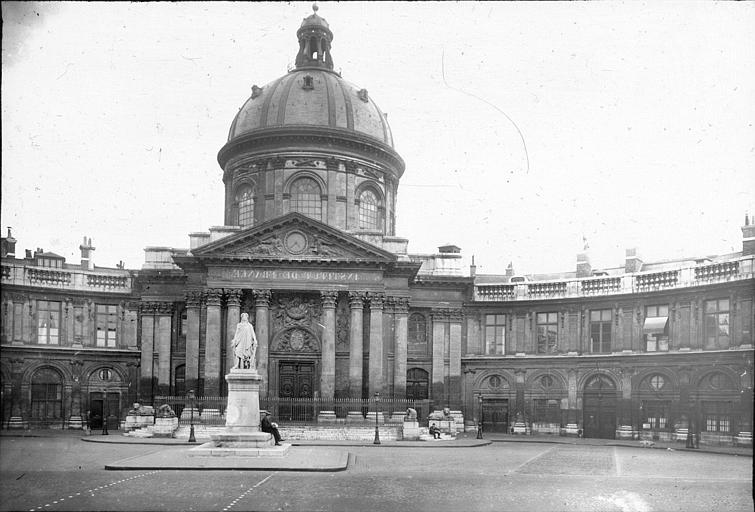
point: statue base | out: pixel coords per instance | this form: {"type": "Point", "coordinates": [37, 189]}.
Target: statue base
{"type": "Point", "coordinates": [242, 435]}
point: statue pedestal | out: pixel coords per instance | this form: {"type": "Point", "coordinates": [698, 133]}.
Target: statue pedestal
{"type": "Point", "coordinates": [242, 435]}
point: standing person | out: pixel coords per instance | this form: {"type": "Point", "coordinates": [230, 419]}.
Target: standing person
{"type": "Point", "coordinates": [244, 344]}
{"type": "Point", "coordinates": [271, 428]}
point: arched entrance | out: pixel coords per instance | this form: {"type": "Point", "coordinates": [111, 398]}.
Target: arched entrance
{"type": "Point", "coordinates": [295, 354]}
{"type": "Point", "coordinates": [599, 408]}
{"type": "Point", "coordinates": [104, 399]}
{"type": "Point", "coordinates": [47, 398]}
{"type": "Point", "coordinates": [496, 394]}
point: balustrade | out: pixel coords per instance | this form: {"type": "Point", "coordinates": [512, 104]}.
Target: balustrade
{"type": "Point", "coordinates": [717, 271]}
{"type": "Point", "coordinates": [657, 280]}
{"type": "Point", "coordinates": [107, 281]}
{"type": "Point", "coordinates": [48, 277]}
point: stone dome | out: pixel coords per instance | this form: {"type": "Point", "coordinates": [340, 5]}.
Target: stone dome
{"type": "Point", "coordinates": [312, 97]}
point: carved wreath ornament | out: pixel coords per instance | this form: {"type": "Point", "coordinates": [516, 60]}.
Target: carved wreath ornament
{"type": "Point", "coordinates": [296, 340]}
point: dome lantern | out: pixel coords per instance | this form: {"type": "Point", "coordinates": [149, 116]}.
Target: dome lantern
{"type": "Point", "coordinates": [314, 43]}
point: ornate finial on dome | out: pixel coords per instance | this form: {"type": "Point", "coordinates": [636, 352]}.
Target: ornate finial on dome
{"type": "Point", "coordinates": [314, 42]}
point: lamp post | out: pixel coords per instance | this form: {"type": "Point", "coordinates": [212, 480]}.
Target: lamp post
{"type": "Point", "coordinates": [377, 411]}
{"type": "Point", "coordinates": [105, 412]}
{"type": "Point", "coordinates": [479, 424]}
{"type": "Point", "coordinates": [192, 439]}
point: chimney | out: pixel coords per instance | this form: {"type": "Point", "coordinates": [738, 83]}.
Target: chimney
{"type": "Point", "coordinates": [472, 268]}
{"type": "Point", "coordinates": [510, 269]}
{"type": "Point", "coordinates": [8, 246]}
{"type": "Point", "coordinates": [28, 254]}
{"type": "Point", "coordinates": [87, 262]}
{"type": "Point", "coordinates": [748, 235]}
{"type": "Point", "coordinates": [632, 262]}
{"type": "Point", "coordinates": [584, 269]}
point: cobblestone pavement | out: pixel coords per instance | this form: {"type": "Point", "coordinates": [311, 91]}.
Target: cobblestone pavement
{"type": "Point", "coordinates": [64, 473]}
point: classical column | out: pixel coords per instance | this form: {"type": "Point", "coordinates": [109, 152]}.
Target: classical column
{"type": "Point", "coordinates": [148, 339]}
{"type": "Point", "coordinates": [17, 419]}
{"type": "Point", "coordinates": [571, 396]}
{"type": "Point", "coordinates": [400, 351]}
{"type": "Point", "coordinates": [163, 323]}
{"type": "Point", "coordinates": [193, 301]}
{"type": "Point", "coordinates": [376, 343]}
{"type": "Point", "coordinates": [212, 342]}
{"type": "Point", "coordinates": [438, 373]}
{"type": "Point", "coordinates": [68, 314]}
{"type": "Point", "coordinates": [454, 360]}
{"type": "Point", "coordinates": [128, 335]}
{"type": "Point", "coordinates": [328, 367]}
{"type": "Point", "coordinates": [75, 420]}
{"type": "Point", "coordinates": [233, 315]}
{"type": "Point", "coordinates": [356, 303]}
{"type": "Point", "coordinates": [262, 330]}
{"type": "Point", "coordinates": [29, 334]}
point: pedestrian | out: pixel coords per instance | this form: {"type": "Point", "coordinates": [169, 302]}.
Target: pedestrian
{"type": "Point", "coordinates": [271, 428]}
{"type": "Point", "coordinates": [435, 431]}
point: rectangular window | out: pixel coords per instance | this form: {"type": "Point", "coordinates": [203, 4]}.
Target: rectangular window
{"type": "Point", "coordinates": [107, 319]}
{"type": "Point", "coordinates": [600, 330]}
{"type": "Point", "coordinates": [495, 334]}
{"type": "Point", "coordinates": [547, 410]}
{"type": "Point", "coordinates": [547, 333]}
{"type": "Point", "coordinates": [655, 330]}
{"type": "Point", "coordinates": [656, 414]}
{"type": "Point", "coordinates": [48, 322]}
{"type": "Point", "coordinates": [717, 324]}
{"type": "Point", "coordinates": [717, 417]}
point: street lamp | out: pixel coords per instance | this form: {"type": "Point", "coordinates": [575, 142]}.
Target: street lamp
{"type": "Point", "coordinates": [192, 439]}
{"type": "Point", "coordinates": [479, 423]}
{"type": "Point", "coordinates": [105, 412]}
{"type": "Point", "coordinates": [377, 411]}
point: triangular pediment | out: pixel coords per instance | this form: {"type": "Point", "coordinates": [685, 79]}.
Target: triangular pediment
{"type": "Point", "coordinates": [293, 237]}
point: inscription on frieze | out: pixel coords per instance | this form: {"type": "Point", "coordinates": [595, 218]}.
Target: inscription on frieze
{"type": "Point", "coordinates": [319, 276]}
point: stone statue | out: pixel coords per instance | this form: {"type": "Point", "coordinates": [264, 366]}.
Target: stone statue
{"type": "Point", "coordinates": [411, 414]}
{"type": "Point", "coordinates": [244, 344]}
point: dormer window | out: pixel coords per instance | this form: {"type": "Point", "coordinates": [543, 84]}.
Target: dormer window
{"type": "Point", "coordinates": [309, 82]}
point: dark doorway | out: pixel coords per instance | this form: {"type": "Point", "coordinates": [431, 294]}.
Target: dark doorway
{"type": "Point", "coordinates": [495, 415]}
{"type": "Point", "coordinates": [417, 384]}
{"type": "Point", "coordinates": [296, 381]}
{"type": "Point", "coordinates": [599, 408]}
{"type": "Point", "coordinates": [98, 410]}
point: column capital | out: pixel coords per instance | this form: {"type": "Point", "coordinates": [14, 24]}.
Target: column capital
{"type": "Point", "coordinates": [356, 300]}
{"type": "Point", "coordinates": [165, 308]}
{"type": "Point", "coordinates": [401, 305]}
{"type": "Point", "coordinates": [329, 299]}
{"type": "Point", "coordinates": [377, 300]}
{"type": "Point", "coordinates": [212, 296]}
{"type": "Point", "coordinates": [261, 298]}
{"type": "Point", "coordinates": [233, 297]}
{"type": "Point", "coordinates": [193, 298]}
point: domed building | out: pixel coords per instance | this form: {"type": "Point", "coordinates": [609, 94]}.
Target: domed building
{"type": "Point", "coordinates": [308, 249]}
{"type": "Point", "coordinates": [342, 311]}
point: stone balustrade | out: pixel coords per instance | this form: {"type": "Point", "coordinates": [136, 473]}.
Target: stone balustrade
{"type": "Point", "coordinates": [112, 281]}
{"type": "Point", "coordinates": [686, 276]}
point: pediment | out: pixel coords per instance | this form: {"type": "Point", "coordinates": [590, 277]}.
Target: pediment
{"type": "Point", "coordinates": [293, 237]}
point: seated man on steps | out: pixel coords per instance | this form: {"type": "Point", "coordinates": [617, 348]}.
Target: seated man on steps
{"type": "Point", "coordinates": [435, 431]}
{"type": "Point", "coordinates": [271, 428]}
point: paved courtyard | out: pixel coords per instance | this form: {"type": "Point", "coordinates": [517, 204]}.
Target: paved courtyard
{"type": "Point", "coordinates": [66, 473]}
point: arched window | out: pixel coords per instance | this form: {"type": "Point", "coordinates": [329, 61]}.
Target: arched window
{"type": "Point", "coordinates": [417, 384]}
{"type": "Point", "coordinates": [305, 198]}
{"type": "Point", "coordinates": [244, 203]}
{"type": "Point", "coordinates": [46, 396]}
{"type": "Point", "coordinates": [417, 329]}
{"type": "Point", "coordinates": [369, 209]}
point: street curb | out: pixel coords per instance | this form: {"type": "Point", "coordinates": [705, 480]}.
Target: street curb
{"type": "Point", "coordinates": [679, 449]}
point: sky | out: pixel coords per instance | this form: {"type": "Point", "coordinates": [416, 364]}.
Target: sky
{"type": "Point", "coordinates": [526, 128]}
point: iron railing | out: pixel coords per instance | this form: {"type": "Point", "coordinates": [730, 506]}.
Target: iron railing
{"type": "Point", "coordinates": [210, 410]}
